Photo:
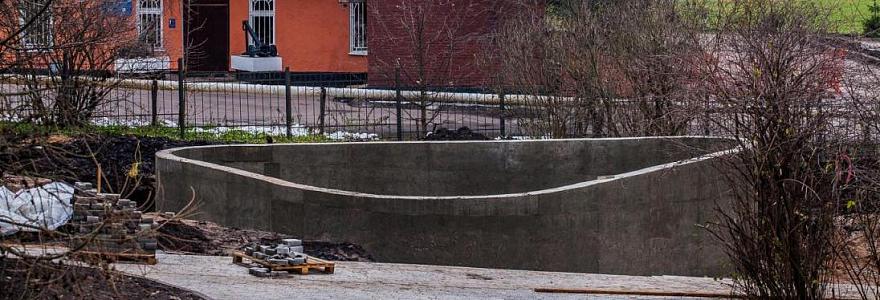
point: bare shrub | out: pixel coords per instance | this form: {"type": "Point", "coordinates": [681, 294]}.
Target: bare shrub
{"type": "Point", "coordinates": [859, 225]}
{"type": "Point", "coordinates": [427, 47]}
{"type": "Point", "coordinates": [654, 45]}
{"type": "Point", "coordinates": [601, 68]}
{"type": "Point", "coordinates": [532, 61]}
{"type": "Point", "coordinates": [772, 75]}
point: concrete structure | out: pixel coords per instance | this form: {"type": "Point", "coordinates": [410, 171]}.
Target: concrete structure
{"type": "Point", "coordinates": [535, 205]}
{"type": "Point", "coordinates": [257, 64]}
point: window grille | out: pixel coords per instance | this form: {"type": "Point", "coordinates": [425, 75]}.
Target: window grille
{"type": "Point", "coordinates": [39, 34]}
{"type": "Point", "coordinates": [358, 27]}
{"type": "Point", "coordinates": [149, 18]}
{"type": "Point", "coordinates": [262, 19]}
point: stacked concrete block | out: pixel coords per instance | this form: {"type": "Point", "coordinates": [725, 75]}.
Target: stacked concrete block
{"type": "Point", "coordinates": [260, 272]}
{"type": "Point", "coordinates": [107, 224]}
{"type": "Point", "coordinates": [288, 252]}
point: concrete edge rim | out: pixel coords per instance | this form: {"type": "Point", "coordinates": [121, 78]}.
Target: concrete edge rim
{"type": "Point", "coordinates": [169, 154]}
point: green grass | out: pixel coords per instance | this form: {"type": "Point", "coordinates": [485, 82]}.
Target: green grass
{"type": "Point", "coordinates": [847, 15]}
{"type": "Point", "coordinates": [231, 136]}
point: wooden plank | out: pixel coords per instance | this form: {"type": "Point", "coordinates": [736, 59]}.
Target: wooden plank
{"type": "Point", "coordinates": [638, 293]}
{"type": "Point", "coordinates": [589, 291]}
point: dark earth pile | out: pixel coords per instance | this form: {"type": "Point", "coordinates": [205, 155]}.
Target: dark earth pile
{"type": "Point", "coordinates": [50, 280]}
{"type": "Point", "coordinates": [126, 161]}
{"type": "Point", "coordinates": [462, 134]}
{"type": "Point", "coordinates": [208, 238]}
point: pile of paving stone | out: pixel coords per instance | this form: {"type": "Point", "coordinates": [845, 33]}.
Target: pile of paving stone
{"type": "Point", "coordinates": [106, 224]}
{"type": "Point", "coordinates": [288, 253]}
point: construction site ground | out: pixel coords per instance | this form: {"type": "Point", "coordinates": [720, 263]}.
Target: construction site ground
{"type": "Point", "coordinates": [218, 278]}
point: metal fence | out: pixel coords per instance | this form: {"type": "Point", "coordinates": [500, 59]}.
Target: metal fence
{"type": "Point", "coordinates": [282, 103]}
{"type": "Point", "coordinates": [291, 104]}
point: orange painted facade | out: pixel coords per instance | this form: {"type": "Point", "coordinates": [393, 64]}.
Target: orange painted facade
{"type": "Point", "coordinates": [311, 35]}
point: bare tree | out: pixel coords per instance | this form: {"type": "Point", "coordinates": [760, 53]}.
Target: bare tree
{"type": "Point", "coordinates": [68, 55]}
{"type": "Point", "coordinates": [654, 45]}
{"type": "Point", "coordinates": [431, 44]}
{"type": "Point", "coordinates": [14, 26]}
{"type": "Point", "coordinates": [601, 68]}
{"type": "Point", "coordinates": [554, 55]}
{"type": "Point", "coordinates": [771, 73]}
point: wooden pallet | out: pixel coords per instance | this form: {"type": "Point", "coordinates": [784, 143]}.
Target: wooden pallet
{"type": "Point", "coordinates": [312, 263]}
{"type": "Point", "coordinates": [110, 257]}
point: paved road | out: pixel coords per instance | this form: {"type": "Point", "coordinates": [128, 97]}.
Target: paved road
{"type": "Point", "coordinates": [252, 107]}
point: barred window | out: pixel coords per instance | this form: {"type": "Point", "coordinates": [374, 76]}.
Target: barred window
{"type": "Point", "coordinates": [357, 27]}
{"type": "Point", "coordinates": [262, 19]}
{"type": "Point", "coordinates": [149, 22]}
{"type": "Point", "coordinates": [39, 34]}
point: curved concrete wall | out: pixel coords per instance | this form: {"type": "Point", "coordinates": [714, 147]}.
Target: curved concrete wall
{"type": "Point", "coordinates": [505, 204]}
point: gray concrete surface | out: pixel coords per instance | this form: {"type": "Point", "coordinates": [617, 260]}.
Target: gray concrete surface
{"type": "Point", "coordinates": [533, 205]}
{"type": "Point", "coordinates": [218, 278]}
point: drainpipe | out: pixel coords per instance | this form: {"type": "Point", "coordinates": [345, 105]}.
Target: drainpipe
{"type": "Point", "coordinates": [183, 33]}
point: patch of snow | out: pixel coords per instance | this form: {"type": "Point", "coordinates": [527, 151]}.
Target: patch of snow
{"type": "Point", "coordinates": [105, 121]}
{"type": "Point", "coordinates": [352, 136]}
{"type": "Point", "coordinates": [526, 137]}
{"type": "Point", "coordinates": [296, 130]}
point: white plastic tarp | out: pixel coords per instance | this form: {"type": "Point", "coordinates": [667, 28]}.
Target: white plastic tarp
{"type": "Point", "coordinates": [48, 206]}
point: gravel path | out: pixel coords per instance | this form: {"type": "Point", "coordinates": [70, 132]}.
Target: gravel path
{"type": "Point", "coordinates": [218, 278]}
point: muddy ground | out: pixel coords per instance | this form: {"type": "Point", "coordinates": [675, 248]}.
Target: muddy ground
{"type": "Point", "coordinates": [126, 162]}
{"type": "Point", "coordinates": [47, 280]}
{"type": "Point", "coordinates": [208, 238]}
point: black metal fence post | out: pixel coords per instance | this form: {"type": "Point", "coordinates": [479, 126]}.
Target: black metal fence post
{"type": "Point", "coordinates": [181, 109]}
{"type": "Point", "coordinates": [397, 99]}
{"type": "Point", "coordinates": [288, 110]}
{"type": "Point", "coordinates": [323, 109]}
{"type": "Point", "coordinates": [501, 114]}
{"type": "Point", "coordinates": [154, 100]}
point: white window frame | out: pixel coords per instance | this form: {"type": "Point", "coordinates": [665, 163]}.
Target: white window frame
{"type": "Point", "coordinates": [48, 40]}
{"type": "Point", "coordinates": [357, 27]}
{"type": "Point", "coordinates": [252, 14]}
{"type": "Point", "coordinates": [158, 11]}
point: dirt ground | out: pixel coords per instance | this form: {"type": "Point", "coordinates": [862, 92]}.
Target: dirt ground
{"type": "Point", "coordinates": [207, 238]}
{"type": "Point", "coordinates": [76, 158]}
{"type": "Point", "coordinates": [19, 280]}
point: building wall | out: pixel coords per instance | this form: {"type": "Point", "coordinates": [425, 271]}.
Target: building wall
{"type": "Point", "coordinates": [451, 49]}
{"type": "Point", "coordinates": [172, 37]}
{"type": "Point", "coordinates": [311, 35]}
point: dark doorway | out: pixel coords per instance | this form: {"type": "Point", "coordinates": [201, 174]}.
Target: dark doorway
{"type": "Point", "coordinates": [207, 30]}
